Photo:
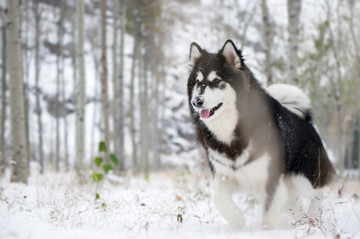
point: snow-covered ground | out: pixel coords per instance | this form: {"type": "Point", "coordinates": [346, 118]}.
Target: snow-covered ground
{"type": "Point", "coordinates": [163, 205]}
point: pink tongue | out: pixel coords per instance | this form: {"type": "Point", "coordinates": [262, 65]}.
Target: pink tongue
{"type": "Point", "coordinates": [205, 114]}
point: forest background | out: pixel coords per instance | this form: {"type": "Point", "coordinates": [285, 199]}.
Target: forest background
{"type": "Point", "coordinates": [95, 133]}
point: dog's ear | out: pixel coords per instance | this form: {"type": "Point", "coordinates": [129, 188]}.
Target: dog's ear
{"type": "Point", "coordinates": [195, 53]}
{"type": "Point", "coordinates": [231, 54]}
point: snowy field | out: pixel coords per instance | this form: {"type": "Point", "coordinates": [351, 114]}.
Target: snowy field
{"type": "Point", "coordinates": [163, 205]}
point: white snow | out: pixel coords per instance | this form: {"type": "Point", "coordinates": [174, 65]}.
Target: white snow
{"type": "Point", "coordinates": [57, 206]}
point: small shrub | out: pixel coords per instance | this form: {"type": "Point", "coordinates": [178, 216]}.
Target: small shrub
{"type": "Point", "coordinates": [97, 177]}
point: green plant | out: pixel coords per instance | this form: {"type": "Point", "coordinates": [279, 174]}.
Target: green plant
{"type": "Point", "coordinates": [98, 176]}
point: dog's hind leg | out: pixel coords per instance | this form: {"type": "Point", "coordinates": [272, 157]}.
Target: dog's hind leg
{"type": "Point", "coordinates": [224, 188]}
{"type": "Point", "coordinates": [295, 204]}
{"type": "Point", "coordinates": [302, 186]}
{"type": "Point", "coordinates": [315, 204]}
{"type": "Point", "coordinates": [273, 206]}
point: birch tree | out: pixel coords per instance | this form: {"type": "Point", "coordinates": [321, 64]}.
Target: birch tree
{"type": "Point", "coordinates": [141, 95]}
{"type": "Point", "coordinates": [20, 167]}
{"type": "Point", "coordinates": [267, 36]}
{"type": "Point", "coordinates": [354, 36]}
{"type": "Point", "coordinates": [335, 82]}
{"type": "Point", "coordinates": [356, 43]}
{"type": "Point", "coordinates": [24, 20]}
{"type": "Point", "coordinates": [294, 10]}
{"type": "Point", "coordinates": [59, 75]}
{"type": "Point", "coordinates": [65, 128]}
{"type": "Point", "coordinates": [151, 37]}
{"type": "Point", "coordinates": [120, 93]}
{"type": "Point", "coordinates": [80, 91]}
{"type": "Point", "coordinates": [115, 101]}
{"type": "Point", "coordinates": [104, 79]}
{"type": "Point", "coordinates": [3, 102]}
{"type": "Point", "coordinates": [132, 97]}
{"type": "Point", "coordinates": [37, 93]}
{"type": "Point", "coordinates": [144, 116]}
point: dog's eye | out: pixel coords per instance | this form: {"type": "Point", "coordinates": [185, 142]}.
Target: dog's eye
{"type": "Point", "coordinates": [222, 85]}
{"type": "Point", "coordinates": [216, 81]}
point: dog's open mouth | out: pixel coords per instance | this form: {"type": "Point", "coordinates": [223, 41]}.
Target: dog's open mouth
{"type": "Point", "coordinates": [204, 114]}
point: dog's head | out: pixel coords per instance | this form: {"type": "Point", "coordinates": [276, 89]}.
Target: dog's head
{"type": "Point", "coordinates": [213, 79]}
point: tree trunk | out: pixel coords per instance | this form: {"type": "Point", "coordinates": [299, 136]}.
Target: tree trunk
{"type": "Point", "coordinates": [95, 110]}
{"type": "Point", "coordinates": [63, 97]}
{"type": "Point", "coordinates": [37, 94]}
{"type": "Point", "coordinates": [247, 22]}
{"type": "Point", "coordinates": [80, 92]}
{"type": "Point", "coordinates": [355, 153]}
{"type": "Point", "coordinates": [120, 95]}
{"type": "Point", "coordinates": [294, 10]}
{"type": "Point", "coordinates": [132, 110]}
{"type": "Point", "coordinates": [24, 14]}
{"type": "Point", "coordinates": [59, 70]}
{"type": "Point", "coordinates": [145, 118]}
{"type": "Point", "coordinates": [27, 119]}
{"type": "Point", "coordinates": [156, 107]}
{"type": "Point", "coordinates": [335, 84]}
{"type": "Point", "coordinates": [142, 108]}
{"type": "Point", "coordinates": [3, 103]}
{"type": "Point", "coordinates": [115, 100]}
{"type": "Point", "coordinates": [357, 55]}
{"type": "Point", "coordinates": [162, 108]}
{"type": "Point", "coordinates": [20, 169]}
{"type": "Point", "coordinates": [267, 35]}
{"type": "Point", "coordinates": [104, 80]}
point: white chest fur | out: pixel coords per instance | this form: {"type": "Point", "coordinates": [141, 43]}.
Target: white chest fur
{"type": "Point", "coordinates": [249, 176]}
{"type": "Point", "coordinates": [223, 124]}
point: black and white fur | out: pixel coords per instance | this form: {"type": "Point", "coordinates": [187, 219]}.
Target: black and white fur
{"type": "Point", "coordinates": [257, 141]}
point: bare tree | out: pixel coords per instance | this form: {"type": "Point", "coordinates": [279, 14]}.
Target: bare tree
{"type": "Point", "coordinates": [132, 108]}
{"type": "Point", "coordinates": [80, 91]}
{"type": "Point", "coordinates": [354, 37]}
{"type": "Point", "coordinates": [115, 77]}
{"type": "Point", "coordinates": [104, 78]}
{"type": "Point", "coordinates": [37, 94]}
{"type": "Point", "coordinates": [95, 119]}
{"type": "Point", "coordinates": [63, 96]}
{"type": "Point", "coordinates": [24, 20]}
{"type": "Point", "coordinates": [144, 99]}
{"type": "Point", "coordinates": [247, 21]}
{"type": "Point", "coordinates": [20, 167]}
{"type": "Point", "coordinates": [335, 82]}
{"type": "Point", "coordinates": [355, 40]}
{"type": "Point", "coordinates": [294, 10]}
{"type": "Point", "coordinates": [120, 93]}
{"type": "Point", "coordinates": [59, 75]}
{"type": "Point", "coordinates": [268, 39]}
{"type": "Point", "coordinates": [141, 95]}
{"type": "Point", "coordinates": [157, 78]}
{"type": "Point", "coordinates": [3, 102]}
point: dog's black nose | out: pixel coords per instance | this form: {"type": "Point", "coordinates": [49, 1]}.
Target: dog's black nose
{"type": "Point", "coordinates": [197, 101]}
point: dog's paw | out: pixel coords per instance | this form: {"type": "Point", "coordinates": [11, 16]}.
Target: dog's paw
{"type": "Point", "coordinates": [235, 218]}
{"type": "Point", "coordinates": [272, 223]}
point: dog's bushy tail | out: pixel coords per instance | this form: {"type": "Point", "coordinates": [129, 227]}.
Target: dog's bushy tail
{"type": "Point", "coordinates": [292, 98]}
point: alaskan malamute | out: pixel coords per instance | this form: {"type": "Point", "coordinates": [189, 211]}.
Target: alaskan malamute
{"type": "Point", "coordinates": [257, 141]}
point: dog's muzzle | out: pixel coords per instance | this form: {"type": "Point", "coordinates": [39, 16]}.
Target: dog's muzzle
{"type": "Point", "coordinates": [197, 101]}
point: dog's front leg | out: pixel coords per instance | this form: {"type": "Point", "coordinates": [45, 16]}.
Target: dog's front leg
{"type": "Point", "coordinates": [224, 188]}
